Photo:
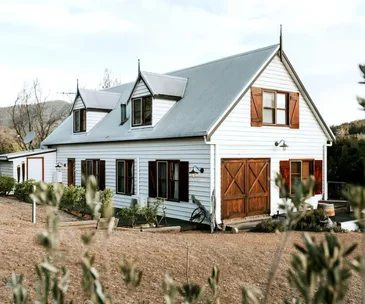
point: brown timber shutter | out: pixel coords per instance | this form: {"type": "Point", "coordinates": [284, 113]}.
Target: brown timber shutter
{"type": "Point", "coordinates": [18, 173]}
{"type": "Point", "coordinates": [318, 176]}
{"type": "Point", "coordinates": [294, 110]}
{"type": "Point", "coordinates": [184, 181]}
{"type": "Point", "coordinates": [285, 173]}
{"type": "Point", "coordinates": [152, 179]}
{"type": "Point", "coordinates": [256, 107]}
{"type": "Point", "coordinates": [102, 175]}
{"type": "Point", "coordinates": [83, 173]}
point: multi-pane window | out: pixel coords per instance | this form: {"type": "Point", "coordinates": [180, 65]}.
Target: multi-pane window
{"type": "Point", "coordinates": [300, 170]}
{"type": "Point", "coordinates": [275, 108]}
{"type": "Point", "coordinates": [80, 120]}
{"type": "Point", "coordinates": [169, 179]}
{"type": "Point", "coordinates": [125, 176]}
{"type": "Point", "coordinates": [95, 167]}
{"type": "Point", "coordinates": [142, 111]}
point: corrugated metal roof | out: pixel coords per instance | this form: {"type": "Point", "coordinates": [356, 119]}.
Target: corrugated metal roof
{"type": "Point", "coordinates": [9, 156]}
{"type": "Point", "coordinates": [211, 89]}
{"type": "Point", "coordinates": [162, 84]}
{"type": "Point", "coordinates": [99, 99]}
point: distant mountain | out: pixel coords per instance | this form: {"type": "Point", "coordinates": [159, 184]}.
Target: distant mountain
{"type": "Point", "coordinates": [5, 116]}
{"type": "Point", "coordinates": [354, 128]}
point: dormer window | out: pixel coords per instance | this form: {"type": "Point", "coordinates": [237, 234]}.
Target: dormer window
{"type": "Point", "coordinates": [142, 111]}
{"type": "Point", "coordinates": [79, 121]}
{"type": "Point", "coordinates": [123, 113]}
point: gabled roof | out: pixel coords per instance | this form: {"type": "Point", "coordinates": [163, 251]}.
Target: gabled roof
{"type": "Point", "coordinates": [102, 100]}
{"type": "Point", "coordinates": [164, 85]}
{"type": "Point", "coordinates": [212, 90]}
{"type": "Point", "coordinates": [13, 155]}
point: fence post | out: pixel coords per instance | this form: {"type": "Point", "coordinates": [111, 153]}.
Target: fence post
{"type": "Point", "coordinates": [33, 208]}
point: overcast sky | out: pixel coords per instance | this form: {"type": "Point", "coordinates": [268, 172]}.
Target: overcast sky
{"type": "Point", "coordinates": [61, 41]}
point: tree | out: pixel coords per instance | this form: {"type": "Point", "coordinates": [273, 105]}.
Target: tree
{"type": "Point", "coordinates": [31, 112]}
{"type": "Point", "coordinates": [108, 80]}
{"type": "Point", "coordinates": [7, 141]}
{"type": "Point", "coordinates": [360, 100]}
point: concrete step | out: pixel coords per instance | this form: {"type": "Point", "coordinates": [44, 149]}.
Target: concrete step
{"type": "Point", "coordinates": [246, 224]}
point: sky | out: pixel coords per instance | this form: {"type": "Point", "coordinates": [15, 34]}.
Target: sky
{"type": "Point", "coordinates": [61, 41]}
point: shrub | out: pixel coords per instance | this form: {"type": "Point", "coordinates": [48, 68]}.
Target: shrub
{"type": "Point", "coordinates": [74, 199]}
{"type": "Point", "coordinates": [7, 184]}
{"type": "Point", "coordinates": [269, 226]}
{"type": "Point", "coordinates": [150, 212]}
{"type": "Point", "coordinates": [106, 197]}
{"type": "Point", "coordinates": [23, 190]}
{"type": "Point", "coordinates": [129, 214]}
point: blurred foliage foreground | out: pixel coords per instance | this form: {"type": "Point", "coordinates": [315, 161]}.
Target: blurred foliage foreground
{"type": "Point", "coordinates": [320, 270]}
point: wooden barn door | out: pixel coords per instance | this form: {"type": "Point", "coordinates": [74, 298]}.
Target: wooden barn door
{"type": "Point", "coordinates": [245, 187]}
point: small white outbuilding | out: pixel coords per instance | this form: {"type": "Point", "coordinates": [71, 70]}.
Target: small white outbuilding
{"type": "Point", "coordinates": [38, 164]}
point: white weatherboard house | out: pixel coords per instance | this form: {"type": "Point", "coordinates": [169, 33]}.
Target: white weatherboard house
{"type": "Point", "coordinates": [38, 164]}
{"type": "Point", "coordinates": [224, 116]}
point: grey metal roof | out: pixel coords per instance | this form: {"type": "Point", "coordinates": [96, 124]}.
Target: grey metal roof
{"type": "Point", "coordinates": [9, 156]}
{"type": "Point", "coordinates": [167, 85]}
{"type": "Point", "coordinates": [99, 99]}
{"type": "Point", "coordinates": [211, 89]}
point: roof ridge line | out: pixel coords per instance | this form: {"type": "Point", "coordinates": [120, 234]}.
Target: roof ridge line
{"type": "Point", "coordinates": [226, 58]}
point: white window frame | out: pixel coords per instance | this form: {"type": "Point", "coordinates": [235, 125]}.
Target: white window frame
{"type": "Point", "coordinates": [167, 178]}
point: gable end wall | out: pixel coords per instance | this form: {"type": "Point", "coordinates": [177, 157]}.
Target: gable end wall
{"type": "Point", "coordinates": [235, 138]}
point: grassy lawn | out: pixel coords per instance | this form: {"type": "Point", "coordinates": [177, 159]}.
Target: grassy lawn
{"type": "Point", "coordinates": [244, 259]}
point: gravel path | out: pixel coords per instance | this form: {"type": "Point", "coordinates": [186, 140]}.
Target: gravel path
{"type": "Point", "coordinates": [244, 259]}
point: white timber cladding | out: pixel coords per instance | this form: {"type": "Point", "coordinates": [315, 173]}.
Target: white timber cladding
{"type": "Point", "coordinates": [92, 118]}
{"type": "Point", "coordinates": [195, 151]}
{"type": "Point", "coordinates": [6, 168]}
{"type": "Point", "coordinates": [159, 108]}
{"type": "Point", "coordinates": [49, 165]}
{"type": "Point", "coordinates": [140, 90]}
{"type": "Point", "coordinates": [235, 138]}
{"type": "Point", "coordinates": [78, 104]}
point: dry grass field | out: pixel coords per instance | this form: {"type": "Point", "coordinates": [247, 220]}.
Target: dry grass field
{"type": "Point", "coordinates": [244, 259]}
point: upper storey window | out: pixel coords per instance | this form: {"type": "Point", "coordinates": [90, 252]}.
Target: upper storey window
{"type": "Point", "coordinates": [79, 120]}
{"type": "Point", "coordinates": [275, 108]}
{"type": "Point", "coordinates": [142, 111]}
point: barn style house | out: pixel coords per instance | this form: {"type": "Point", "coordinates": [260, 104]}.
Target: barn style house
{"type": "Point", "coordinates": [219, 131]}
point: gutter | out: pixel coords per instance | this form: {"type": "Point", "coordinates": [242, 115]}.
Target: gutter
{"type": "Point", "coordinates": [324, 179]}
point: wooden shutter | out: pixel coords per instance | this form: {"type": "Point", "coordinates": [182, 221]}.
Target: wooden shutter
{"type": "Point", "coordinates": [102, 175]}
{"type": "Point", "coordinates": [318, 176]}
{"type": "Point", "coordinates": [294, 110]}
{"type": "Point", "coordinates": [285, 173]}
{"type": "Point", "coordinates": [184, 181]}
{"type": "Point", "coordinates": [152, 179]}
{"type": "Point", "coordinates": [18, 173]}
{"type": "Point", "coordinates": [256, 107]}
{"type": "Point", "coordinates": [83, 173]}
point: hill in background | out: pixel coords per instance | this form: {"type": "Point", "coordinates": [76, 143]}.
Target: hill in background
{"type": "Point", "coordinates": [354, 128]}
{"type": "Point", "coordinates": [5, 116]}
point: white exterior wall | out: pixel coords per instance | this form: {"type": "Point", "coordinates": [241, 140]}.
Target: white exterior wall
{"type": "Point", "coordinates": [49, 165]}
{"type": "Point", "coordinates": [140, 90]}
{"type": "Point", "coordinates": [78, 104]}
{"type": "Point", "coordinates": [159, 108]}
{"type": "Point", "coordinates": [6, 169]}
{"type": "Point", "coordinates": [235, 138]}
{"type": "Point", "coordinates": [92, 118]}
{"type": "Point", "coordinates": [195, 151]}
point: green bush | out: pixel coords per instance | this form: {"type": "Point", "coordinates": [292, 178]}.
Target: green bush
{"type": "Point", "coordinates": [74, 199]}
{"type": "Point", "coordinates": [150, 212]}
{"type": "Point", "coordinates": [24, 189]}
{"type": "Point", "coordinates": [269, 226]}
{"type": "Point", "coordinates": [106, 197]}
{"type": "Point", "coordinates": [129, 214]}
{"type": "Point", "coordinates": [7, 184]}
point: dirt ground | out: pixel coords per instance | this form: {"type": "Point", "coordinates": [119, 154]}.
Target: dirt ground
{"type": "Point", "coordinates": [244, 259]}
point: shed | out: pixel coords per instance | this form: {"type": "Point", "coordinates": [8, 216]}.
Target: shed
{"type": "Point", "coordinates": [38, 164]}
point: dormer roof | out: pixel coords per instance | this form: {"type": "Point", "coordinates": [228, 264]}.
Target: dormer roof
{"type": "Point", "coordinates": [102, 100]}
{"type": "Point", "coordinates": [165, 85]}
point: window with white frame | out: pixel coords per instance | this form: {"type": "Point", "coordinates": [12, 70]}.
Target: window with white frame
{"type": "Point", "coordinates": [142, 111]}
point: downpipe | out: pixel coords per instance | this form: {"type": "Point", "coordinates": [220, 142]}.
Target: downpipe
{"type": "Point", "coordinates": [325, 192]}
